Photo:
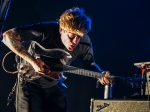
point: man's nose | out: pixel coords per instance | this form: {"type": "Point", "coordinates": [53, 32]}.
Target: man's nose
{"type": "Point", "coordinates": [75, 40]}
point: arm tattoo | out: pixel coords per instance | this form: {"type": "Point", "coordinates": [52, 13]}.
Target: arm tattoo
{"type": "Point", "coordinates": [12, 34]}
{"type": "Point", "coordinates": [11, 39]}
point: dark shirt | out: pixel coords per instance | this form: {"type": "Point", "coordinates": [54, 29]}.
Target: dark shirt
{"type": "Point", "coordinates": [47, 34]}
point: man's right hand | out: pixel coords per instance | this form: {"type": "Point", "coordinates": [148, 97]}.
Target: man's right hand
{"type": "Point", "coordinates": [39, 66]}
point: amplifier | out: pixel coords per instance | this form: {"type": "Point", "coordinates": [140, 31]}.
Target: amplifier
{"type": "Point", "coordinates": [119, 106]}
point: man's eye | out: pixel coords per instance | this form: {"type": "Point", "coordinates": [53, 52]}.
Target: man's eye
{"type": "Point", "coordinates": [71, 36]}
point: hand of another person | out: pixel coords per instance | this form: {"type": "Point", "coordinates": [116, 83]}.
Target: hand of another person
{"type": "Point", "coordinates": [104, 80]}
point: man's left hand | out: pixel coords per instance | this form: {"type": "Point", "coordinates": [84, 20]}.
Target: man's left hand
{"type": "Point", "coordinates": [104, 80]}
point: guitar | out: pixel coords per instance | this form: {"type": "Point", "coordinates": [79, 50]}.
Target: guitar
{"type": "Point", "coordinates": [57, 69]}
{"type": "Point", "coordinates": [37, 51]}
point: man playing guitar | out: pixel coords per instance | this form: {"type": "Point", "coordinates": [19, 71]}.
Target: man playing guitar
{"type": "Point", "coordinates": [35, 92]}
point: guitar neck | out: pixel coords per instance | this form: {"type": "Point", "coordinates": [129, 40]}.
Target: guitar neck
{"type": "Point", "coordinates": [74, 70]}
{"type": "Point", "coordinates": [84, 72]}
{"type": "Point", "coordinates": [79, 71]}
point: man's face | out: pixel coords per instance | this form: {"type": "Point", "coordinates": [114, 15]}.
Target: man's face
{"type": "Point", "coordinates": [70, 40]}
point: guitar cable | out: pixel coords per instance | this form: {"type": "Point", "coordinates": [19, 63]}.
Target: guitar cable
{"type": "Point", "coordinates": [14, 72]}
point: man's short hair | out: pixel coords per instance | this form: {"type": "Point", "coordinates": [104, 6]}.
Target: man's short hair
{"type": "Point", "coordinates": [75, 21]}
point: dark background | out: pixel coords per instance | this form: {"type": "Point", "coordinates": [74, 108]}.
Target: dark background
{"type": "Point", "coordinates": [120, 35]}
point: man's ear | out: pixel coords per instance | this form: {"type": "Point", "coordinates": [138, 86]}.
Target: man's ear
{"type": "Point", "coordinates": [60, 30]}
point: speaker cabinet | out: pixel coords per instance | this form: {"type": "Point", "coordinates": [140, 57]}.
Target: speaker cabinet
{"type": "Point", "coordinates": [119, 106]}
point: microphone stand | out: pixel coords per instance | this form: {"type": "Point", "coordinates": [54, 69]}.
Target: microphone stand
{"type": "Point", "coordinates": [4, 7]}
{"type": "Point", "coordinates": [108, 91]}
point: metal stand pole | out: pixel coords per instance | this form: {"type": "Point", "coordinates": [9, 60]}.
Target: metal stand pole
{"type": "Point", "coordinates": [108, 91]}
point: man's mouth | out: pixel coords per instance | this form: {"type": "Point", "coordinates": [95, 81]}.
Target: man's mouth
{"type": "Point", "coordinates": [71, 47]}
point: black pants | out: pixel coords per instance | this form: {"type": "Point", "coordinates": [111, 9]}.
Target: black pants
{"type": "Point", "coordinates": [33, 98]}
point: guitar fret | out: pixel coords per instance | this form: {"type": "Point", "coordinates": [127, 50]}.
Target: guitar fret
{"type": "Point", "coordinates": [83, 72]}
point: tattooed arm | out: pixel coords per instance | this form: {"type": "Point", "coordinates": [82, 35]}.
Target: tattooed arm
{"type": "Point", "coordinates": [12, 40]}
